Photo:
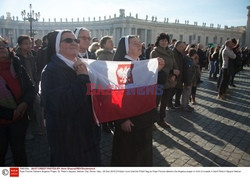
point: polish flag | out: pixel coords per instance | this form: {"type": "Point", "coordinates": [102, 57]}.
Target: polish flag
{"type": "Point", "coordinates": [122, 89]}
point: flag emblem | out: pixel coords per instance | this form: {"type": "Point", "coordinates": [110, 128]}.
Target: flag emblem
{"type": "Point", "coordinates": [124, 74]}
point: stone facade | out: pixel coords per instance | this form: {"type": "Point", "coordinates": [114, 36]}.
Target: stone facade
{"type": "Point", "coordinates": [121, 25]}
{"type": "Point", "coordinates": [247, 34]}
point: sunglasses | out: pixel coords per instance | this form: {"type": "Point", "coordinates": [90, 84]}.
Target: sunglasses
{"type": "Point", "coordinates": [70, 40]}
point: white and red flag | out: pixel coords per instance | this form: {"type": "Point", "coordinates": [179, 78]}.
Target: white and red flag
{"type": "Point", "coordinates": [122, 89]}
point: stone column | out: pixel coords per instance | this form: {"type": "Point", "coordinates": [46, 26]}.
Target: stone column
{"type": "Point", "coordinates": [146, 37]}
{"type": "Point", "coordinates": [15, 36]}
{"type": "Point", "coordinates": [114, 36]}
{"type": "Point", "coordinates": [129, 30]}
{"type": "Point", "coordinates": [247, 40]}
{"type": "Point", "coordinates": [123, 31]}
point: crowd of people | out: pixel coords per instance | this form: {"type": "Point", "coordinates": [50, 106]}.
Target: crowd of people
{"type": "Point", "coordinates": [48, 81]}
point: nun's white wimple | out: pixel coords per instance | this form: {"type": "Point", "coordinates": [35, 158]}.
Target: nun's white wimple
{"type": "Point", "coordinates": [58, 40]}
{"type": "Point", "coordinates": [126, 43]}
{"type": "Point", "coordinates": [78, 29]}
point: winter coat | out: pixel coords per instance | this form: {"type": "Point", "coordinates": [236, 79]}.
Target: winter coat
{"type": "Point", "coordinates": [170, 63]}
{"type": "Point", "coordinates": [188, 71]}
{"type": "Point", "coordinates": [105, 55]}
{"type": "Point", "coordinates": [27, 89]}
{"type": "Point", "coordinates": [72, 134]}
{"type": "Point", "coordinates": [179, 58]}
{"type": "Point", "coordinates": [29, 64]}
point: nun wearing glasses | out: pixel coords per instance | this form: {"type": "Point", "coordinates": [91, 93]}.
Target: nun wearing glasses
{"type": "Point", "coordinates": [72, 134]}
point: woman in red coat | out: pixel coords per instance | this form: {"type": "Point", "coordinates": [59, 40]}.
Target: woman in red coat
{"type": "Point", "coordinates": [16, 95]}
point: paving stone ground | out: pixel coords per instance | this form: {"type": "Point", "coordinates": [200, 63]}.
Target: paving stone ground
{"type": "Point", "coordinates": [217, 133]}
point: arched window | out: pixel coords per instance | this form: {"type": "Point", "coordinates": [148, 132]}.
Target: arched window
{"type": "Point", "coordinates": [215, 40]}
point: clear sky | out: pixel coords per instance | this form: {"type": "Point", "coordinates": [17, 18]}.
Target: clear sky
{"type": "Point", "coordinates": [224, 12]}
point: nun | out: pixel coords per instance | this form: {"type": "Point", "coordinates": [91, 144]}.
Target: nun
{"type": "Point", "coordinates": [73, 135]}
{"type": "Point", "coordinates": [132, 141]}
{"type": "Point", "coordinates": [84, 35]}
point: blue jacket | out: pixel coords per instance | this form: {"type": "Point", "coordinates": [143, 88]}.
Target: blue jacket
{"type": "Point", "coordinates": [72, 134]}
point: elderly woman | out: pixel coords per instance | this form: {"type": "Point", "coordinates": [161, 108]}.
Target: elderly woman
{"type": "Point", "coordinates": [72, 134]}
{"type": "Point", "coordinates": [132, 142]}
{"type": "Point", "coordinates": [16, 95]}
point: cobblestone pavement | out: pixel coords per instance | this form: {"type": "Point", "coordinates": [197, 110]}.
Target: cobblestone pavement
{"type": "Point", "coordinates": [217, 133]}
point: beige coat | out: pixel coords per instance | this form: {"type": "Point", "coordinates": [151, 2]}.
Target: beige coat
{"type": "Point", "coordinates": [170, 63]}
{"type": "Point", "coordinates": [105, 55]}
{"type": "Point", "coordinates": [197, 75]}
{"type": "Point", "coordinates": [179, 58]}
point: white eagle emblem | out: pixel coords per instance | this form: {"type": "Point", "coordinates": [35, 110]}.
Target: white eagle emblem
{"type": "Point", "coordinates": [124, 73]}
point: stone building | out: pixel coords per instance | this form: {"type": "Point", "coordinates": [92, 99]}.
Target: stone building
{"type": "Point", "coordinates": [121, 25]}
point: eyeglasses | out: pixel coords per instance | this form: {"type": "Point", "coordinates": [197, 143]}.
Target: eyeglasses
{"type": "Point", "coordinates": [70, 40]}
{"type": "Point", "coordinates": [85, 38]}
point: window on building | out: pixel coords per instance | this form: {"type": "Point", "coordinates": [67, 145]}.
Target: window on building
{"type": "Point", "coordinates": [215, 40]}
{"type": "Point", "coordinates": [199, 39]}
{"type": "Point", "coordinates": [181, 38]}
{"type": "Point", "coordinates": [207, 40]}
{"type": "Point", "coordinates": [190, 39]}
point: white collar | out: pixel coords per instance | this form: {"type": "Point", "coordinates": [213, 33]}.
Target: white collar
{"type": "Point", "coordinates": [130, 58]}
{"type": "Point", "coordinates": [66, 61]}
{"type": "Point", "coordinates": [83, 54]}
{"type": "Point", "coordinates": [127, 43]}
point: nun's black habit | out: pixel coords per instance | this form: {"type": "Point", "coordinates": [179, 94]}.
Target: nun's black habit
{"type": "Point", "coordinates": [72, 134]}
{"type": "Point", "coordinates": [132, 148]}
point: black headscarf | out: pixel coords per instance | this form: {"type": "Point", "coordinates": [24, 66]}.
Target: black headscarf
{"type": "Point", "coordinates": [123, 47]}
{"type": "Point", "coordinates": [52, 44]}
{"type": "Point", "coordinates": [121, 50]}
